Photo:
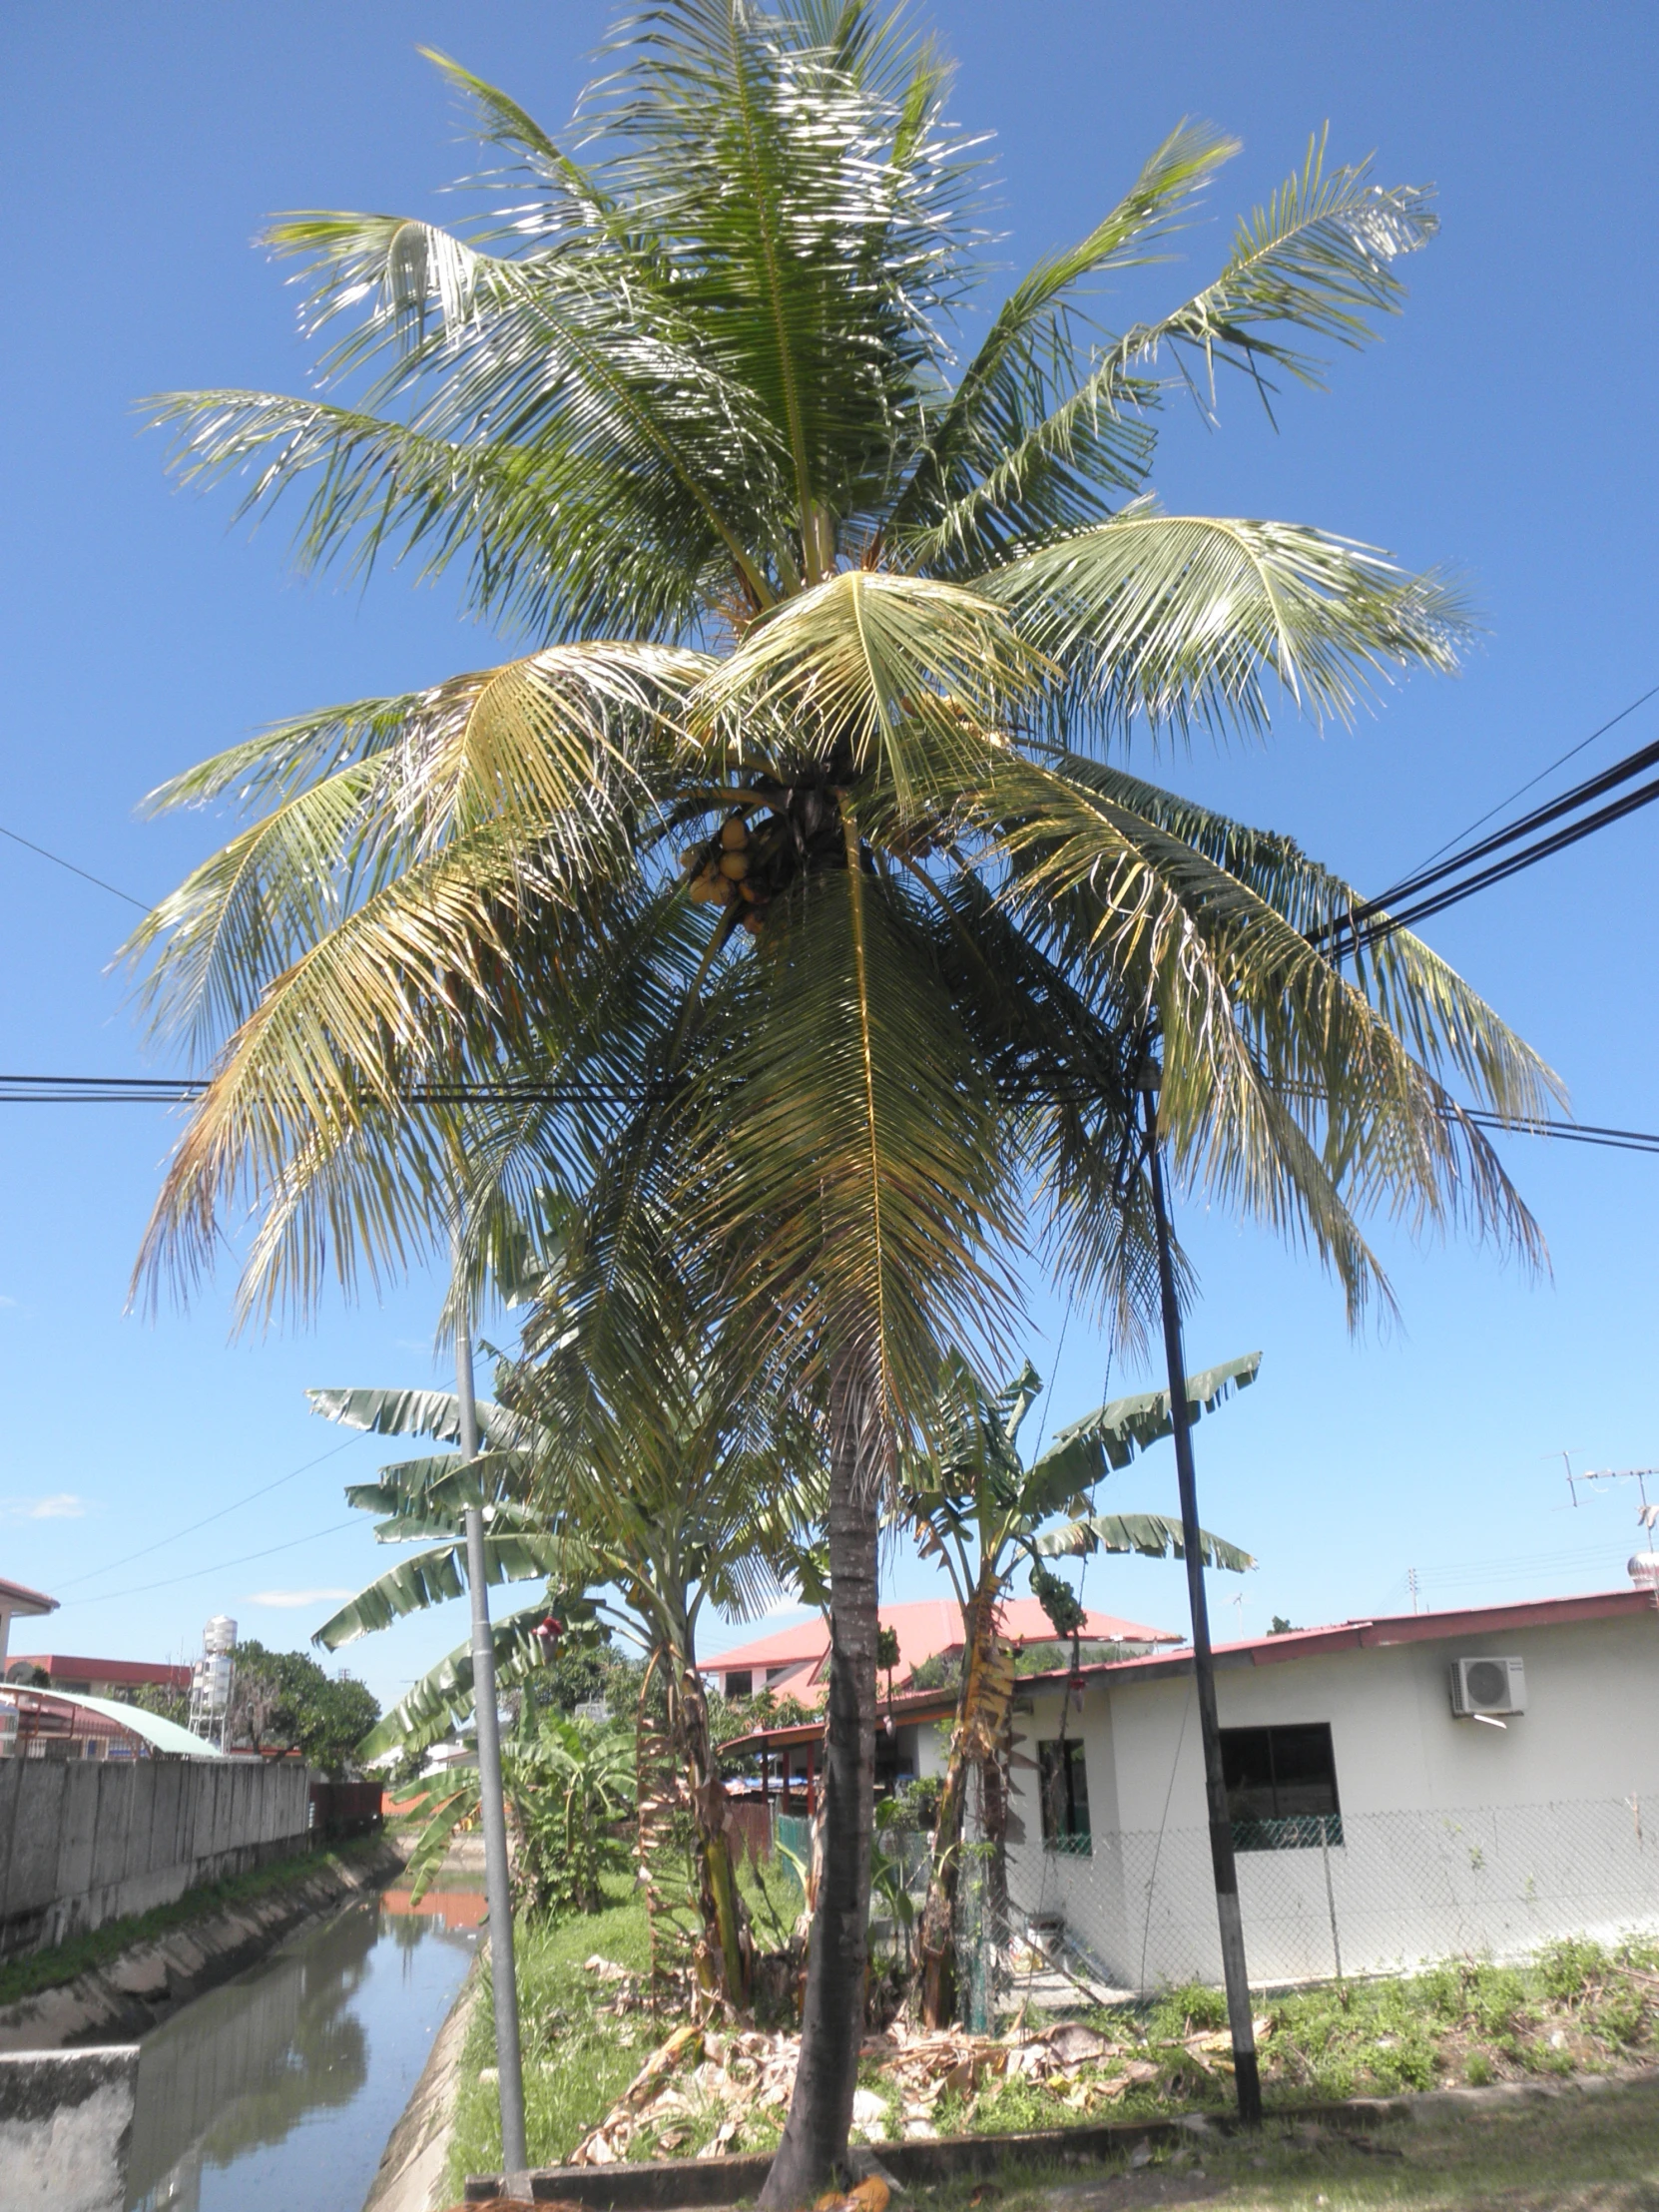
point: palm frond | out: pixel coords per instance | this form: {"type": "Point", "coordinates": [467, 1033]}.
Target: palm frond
{"type": "Point", "coordinates": [1022, 447]}
{"type": "Point", "coordinates": [1194, 621]}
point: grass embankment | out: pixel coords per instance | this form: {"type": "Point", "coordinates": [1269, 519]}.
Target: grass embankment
{"type": "Point", "coordinates": [1576, 2009]}
{"type": "Point", "coordinates": [27, 1976]}
{"type": "Point", "coordinates": [577, 2058]}
{"type": "Point", "coordinates": [1571, 2153]}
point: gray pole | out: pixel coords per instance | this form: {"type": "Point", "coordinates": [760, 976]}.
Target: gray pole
{"type": "Point", "coordinates": [1246, 2074]}
{"type": "Point", "coordinates": [497, 1886]}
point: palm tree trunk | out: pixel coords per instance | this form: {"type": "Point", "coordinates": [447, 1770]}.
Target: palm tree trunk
{"type": "Point", "coordinates": [658, 1792]}
{"type": "Point", "coordinates": [833, 2012]}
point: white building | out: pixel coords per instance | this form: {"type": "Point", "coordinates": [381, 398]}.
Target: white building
{"type": "Point", "coordinates": [1378, 1825]}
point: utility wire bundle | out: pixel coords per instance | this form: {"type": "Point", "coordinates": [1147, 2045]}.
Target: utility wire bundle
{"type": "Point", "coordinates": [1547, 830]}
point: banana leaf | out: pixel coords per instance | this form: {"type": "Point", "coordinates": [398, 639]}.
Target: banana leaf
{"type": "Point", "coordinates": [1151, 1533]}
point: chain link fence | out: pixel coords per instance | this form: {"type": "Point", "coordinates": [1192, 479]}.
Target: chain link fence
{"type": "Point", "coordinates": [1364, 1894]}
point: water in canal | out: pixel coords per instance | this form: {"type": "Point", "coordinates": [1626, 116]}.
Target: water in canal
{"type": "Point", "coordinates": [279, 2089]}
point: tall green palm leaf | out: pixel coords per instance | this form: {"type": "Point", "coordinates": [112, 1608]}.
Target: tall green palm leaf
{"type": "Point", "coordinates": [801, 594]}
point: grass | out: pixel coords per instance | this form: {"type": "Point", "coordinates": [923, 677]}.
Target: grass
{"type": "Point", "coordinates": [1577, 2010]}
{"type": "Point", "coordinates": [1562, 2152]}
{"type": "Point", "coordinates": [36, 1970]}
{"type": "Point", "coordinates": [577, 2058]}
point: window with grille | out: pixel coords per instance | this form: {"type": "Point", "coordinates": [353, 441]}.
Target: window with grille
{"type": "Point", "coordinates": [1281, 1787]}
{"type": "Point", "coordinates": [1063, 1786]}
{"type": "Point", "coordinates": [740, 1682]}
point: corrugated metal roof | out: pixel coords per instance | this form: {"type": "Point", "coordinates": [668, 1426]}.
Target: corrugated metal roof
{"type": "Point", "coordinates": [162, 1735]}
{"type": "Point", "coordinates": [1377, 1633]}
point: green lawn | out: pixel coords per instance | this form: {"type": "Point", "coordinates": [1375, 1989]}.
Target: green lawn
{"type": "Point", "coordinates": [1567, 2152]}
{"type": "Point", "coordinates": [1577, 2012]}
{"type": "Point", "coordinates": [577, 2058]}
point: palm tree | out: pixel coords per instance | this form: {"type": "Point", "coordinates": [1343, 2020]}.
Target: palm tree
{"type": "Point", "coordinates": [979, 1511]}
{"type": "Point", "coordinates": [866, 633]}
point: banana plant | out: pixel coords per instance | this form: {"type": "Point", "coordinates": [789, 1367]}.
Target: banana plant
{"type": "Point", "coordinates": [567, 1787]}
{"type": "Point", "coordinates": [636, 1524]}
{"type": "Point", "coordinates": [978, 1510]}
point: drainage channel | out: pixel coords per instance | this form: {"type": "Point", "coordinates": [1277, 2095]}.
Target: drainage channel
{"type": "Point", "coordinates": [279, 2089]}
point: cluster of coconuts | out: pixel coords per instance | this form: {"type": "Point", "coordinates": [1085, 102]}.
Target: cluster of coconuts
{"type": "Point", "coordinates": [723, 873]}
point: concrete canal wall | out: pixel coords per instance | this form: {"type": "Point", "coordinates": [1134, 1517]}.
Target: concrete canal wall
{"type": "Point", "coordinates": [147, 1981]}
{"type": "Point", "coordinates": [85, 1841]}
{"type": "Point", "coordinates": [66, 2122]}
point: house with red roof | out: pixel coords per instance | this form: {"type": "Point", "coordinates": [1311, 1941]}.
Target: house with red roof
{"type": "Point", "coordinates": [794, 1663]}
{"type": "Point", "coordinates": [1478, 1782]}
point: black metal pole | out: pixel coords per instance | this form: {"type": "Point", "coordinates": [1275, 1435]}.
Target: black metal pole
{"type": "Point", "coordinates": [1246, 2072]}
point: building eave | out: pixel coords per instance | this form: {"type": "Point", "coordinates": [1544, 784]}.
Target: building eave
{"type": "Point", "coordinates": [1363, 1635]}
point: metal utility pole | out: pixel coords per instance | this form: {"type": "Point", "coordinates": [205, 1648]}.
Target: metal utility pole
{"type": "Point", "coordinates": [1246, 2072]}
{"type": "Point", "coordinates": [497, 1886]}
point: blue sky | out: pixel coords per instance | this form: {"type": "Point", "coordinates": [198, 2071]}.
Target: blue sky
{"type": "Point", "coordinates": [1503, 428]}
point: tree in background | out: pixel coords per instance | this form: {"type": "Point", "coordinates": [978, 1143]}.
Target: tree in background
{"type": "Point", "coordinates": [865, 617]}
{"type": "Point", "coordinates": [283, 1700]}
{"type": "Point", "coordinates": [156, 1697]}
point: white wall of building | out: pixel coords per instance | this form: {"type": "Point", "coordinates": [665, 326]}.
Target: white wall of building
{"type": "Point", "coordinates": [1456, 1836]}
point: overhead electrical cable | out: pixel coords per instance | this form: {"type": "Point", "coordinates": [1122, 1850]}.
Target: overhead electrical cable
{"type": "Point", "coordinates": [115, 1566]}
{"type": "Point", "coordinates": [1431, 890]}
{"type": "Point", "coordinates": [84, 874]}
{"type": "Point", "coordinates": [1521, 790]}
{"type": "Point", "coordinates": [108, 1597]}
{"type": "Point", "coordinates": [143, 1090]}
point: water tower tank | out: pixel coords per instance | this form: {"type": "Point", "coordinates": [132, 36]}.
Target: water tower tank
{"type": "Point", "coordinates": [1644, 1570]}
{"type": "Point", "coordinates": [218, 1635]}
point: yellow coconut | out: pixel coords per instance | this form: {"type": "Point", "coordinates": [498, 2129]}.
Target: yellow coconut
{"type": "Point", "coordinates": [733, 867]}
{"type": "Point", "coordinates": [733, 835]}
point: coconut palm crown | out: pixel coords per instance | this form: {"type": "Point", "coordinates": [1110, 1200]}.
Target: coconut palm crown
{"type": "Point", "coordinates": [791, 888]}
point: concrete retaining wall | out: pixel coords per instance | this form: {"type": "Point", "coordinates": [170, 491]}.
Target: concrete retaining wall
{"type": "Point", "coordinates": [66, 2122]}
{"type": "Point", "coordinates": [84, 1842]}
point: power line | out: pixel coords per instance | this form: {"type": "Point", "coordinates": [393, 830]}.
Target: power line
{"type": "Point", "coordinates": [143, 1090]}
{"type": "Point", "coordinates": [1521, 791]}
{"type": "Point", "coordinates": [57, 859]}
{"type": "Point", "coordinates": [132, 1558]}
{"type": "Point", "coordinates": [108, 1597]}
{"type": "Point", "coordinates": [1432, 888]}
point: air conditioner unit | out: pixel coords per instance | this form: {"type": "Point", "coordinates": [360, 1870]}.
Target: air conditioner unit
{"type": "Point", "coordinates": [1487, 1686]}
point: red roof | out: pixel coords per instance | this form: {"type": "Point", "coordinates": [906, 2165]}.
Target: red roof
{"type": "Point", "coordinates": [1390, 1628]}
{"type": "Point", "coordinates": [16, 1597]}
{"type": "Point", "coordinates": [64, 1668]}
{"type": "Point", "coordinates": [927, 1628]}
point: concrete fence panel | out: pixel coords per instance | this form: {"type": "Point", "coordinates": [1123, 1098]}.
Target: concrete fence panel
{"type": "Point", "coordinates": [79, 1831]}
{"type": "Point", "coordinates": [32, 1875]}
{"type": "Point", "coordinates": [86, 1842]}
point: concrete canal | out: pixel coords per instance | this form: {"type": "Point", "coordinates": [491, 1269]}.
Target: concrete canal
{"type": "Point", "coordinates": [279, 2089]}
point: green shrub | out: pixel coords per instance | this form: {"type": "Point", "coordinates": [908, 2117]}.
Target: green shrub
{"type": "Point", "coordinates": [1477, 2070]}
{"type": "Point", "coordinates": [1183, 2011]}
{"type": "Point", "coordinates": [1564, 1969]}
